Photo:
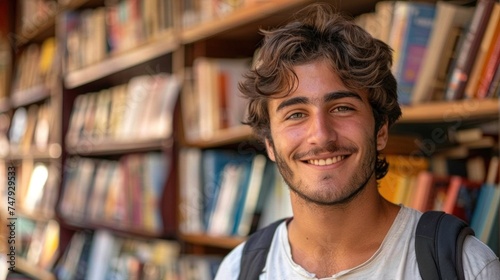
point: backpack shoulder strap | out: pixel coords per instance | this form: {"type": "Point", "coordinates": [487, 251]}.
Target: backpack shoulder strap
{"type": "Point", "coordinates": [439, 242]}
{"type": "Point", "coordinates": [255, 250]}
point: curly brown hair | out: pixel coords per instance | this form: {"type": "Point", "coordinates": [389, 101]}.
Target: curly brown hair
{"type": "Point", "coordinates": [318, 32]}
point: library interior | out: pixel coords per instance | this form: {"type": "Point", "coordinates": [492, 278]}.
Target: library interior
{"type": "Point", "coordinates": [107, 175]}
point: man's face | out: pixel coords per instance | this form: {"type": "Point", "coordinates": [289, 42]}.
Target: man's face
{"type": "Point", "coordinates": [323, 137]}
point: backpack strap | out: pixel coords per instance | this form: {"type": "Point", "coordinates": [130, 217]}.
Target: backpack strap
{"type": "Point", "coordinates": [255, 250]}
{"type": "Point", "coordinates": [439, 242]}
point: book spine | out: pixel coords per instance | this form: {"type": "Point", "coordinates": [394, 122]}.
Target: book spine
{"type": "Point", "coordinates": [489, 71]}
{"type": "Point", "coordinates": [468, 50]}
{"type": "Point", "coordinates": [419, 23]}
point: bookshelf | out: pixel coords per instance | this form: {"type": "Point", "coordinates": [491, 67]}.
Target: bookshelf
{"type": "Point", "coordinates": [419, 121]}
{"type": "Point", "coordinates": [119, 158]}
{"type": "Point", "coordinates": [172, 51]}
{"type": "Point", "coordinates": [32, 149]}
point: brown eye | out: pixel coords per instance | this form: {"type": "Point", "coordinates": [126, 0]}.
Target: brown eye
{"type": "Point", "coordinates": [296, 116]}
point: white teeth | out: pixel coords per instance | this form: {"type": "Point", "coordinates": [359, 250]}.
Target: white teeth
{"type": "Point", "coordinates": [328, 161]}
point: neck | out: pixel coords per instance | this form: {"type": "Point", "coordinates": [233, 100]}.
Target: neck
{"type": "Point", "coordinates": [339, 233]}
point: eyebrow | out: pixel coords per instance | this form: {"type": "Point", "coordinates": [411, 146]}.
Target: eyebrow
{"type": "Point", "coordinates": [327, 98]}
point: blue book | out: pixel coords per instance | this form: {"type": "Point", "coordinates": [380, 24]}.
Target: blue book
{"type": "Point", "coordinates": [419, 22]}
{"type": "Point", "coordinates": [482, 207]}
{"type": "Point", "coordinates": [213, 163]}
{"type": "Point", "coordinates": [241, 197]}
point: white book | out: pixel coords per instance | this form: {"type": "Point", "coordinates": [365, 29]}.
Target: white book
{"type": "Point", "coordinates": [448, 17]}
{"type": "Point", "coordinates": [254, 186]}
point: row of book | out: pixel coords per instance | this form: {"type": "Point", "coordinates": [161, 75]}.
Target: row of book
{"type": "Point", "coordinates": [141, 109]}
{"type": "Point", "coordinates": [124, 194]}
{"type": "Point", "coordinates": [36, 185]}
{"type": "Point", "coordinates": [211, 100]}
{"type": "Point", "coordinates": [104, 255]}
{"type": "Point", "coordinates": [91, 35]}
{"type": "Point", "coordinates": [37, 66]}
{"type": "Point", "coordinates": [224, 193]}
{"type": "Point", "coordinates": [37, 241]}
{"type": "Point", "coordinates": [196, 12]}
{"type": "Point", "coordinates": [473, 198]}
{"type": "Point", "coordinates": [429, 66]}
{"type": "Point", "coordinates": [30, 129]}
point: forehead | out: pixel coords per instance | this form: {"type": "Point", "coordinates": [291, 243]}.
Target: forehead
{"type": "Point", "coordinates": [315, 80]}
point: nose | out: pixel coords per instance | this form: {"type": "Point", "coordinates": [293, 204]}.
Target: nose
{"type": "Point", "coordinates": [321, 129]}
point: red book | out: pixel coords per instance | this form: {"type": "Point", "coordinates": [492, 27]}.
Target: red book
{"type": "Point", "coordinates": [490, 68]}
{"type": "Point", "coordinates": [468, 50]}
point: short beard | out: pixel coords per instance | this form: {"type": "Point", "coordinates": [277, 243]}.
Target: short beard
{"type": "Point", "coordinates": [288, 175]}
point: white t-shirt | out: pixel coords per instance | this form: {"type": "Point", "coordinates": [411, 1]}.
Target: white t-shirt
{"type": "Point", "coordinates": [395, 259]}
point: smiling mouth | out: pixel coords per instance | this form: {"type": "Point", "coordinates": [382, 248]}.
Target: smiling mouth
{"type": "Point", "coordinates": [327, 161]}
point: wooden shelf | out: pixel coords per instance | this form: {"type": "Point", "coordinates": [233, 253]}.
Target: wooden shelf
{"type": "Point", "coordinates": [262, 14]}
{"type": "Point", "coordinates": [53, 151]}
{"type": "Point", "coordinates": [30, 96]}
{"type": "Point", "coordinates": [94, 147]}
{"type": "Point", "coordinates": [237, 18]}
{"type": "Point", "coordinates": [446, 112]}
{"type": "Point", "coordinates": [37, 28]}
{"type": "Point", "coordinates": [39, 217]}
{"type": "Point", "coordinates": [224, 242]}
{"type": "Point", "coordinates": [42, 26]}
{"type": "Point", "coordinates": [122, 61]}
{"type": "Point", "coordinates": [223, 137]}
{"type": "Point", "coordinates": [117, 228]}
{"type": "Point", "coordinates": [35, 272]}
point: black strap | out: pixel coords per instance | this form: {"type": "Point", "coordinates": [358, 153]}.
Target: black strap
{"type": "Point", "coordinates": [255, 250]}
{"type": "Point", "coordinates": [438, 245]}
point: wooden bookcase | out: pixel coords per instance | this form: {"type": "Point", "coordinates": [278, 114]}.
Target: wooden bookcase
{"type": "Point", "coordinates": [233, 35]}
{"type": "Point", "coordinates": [33, 156]}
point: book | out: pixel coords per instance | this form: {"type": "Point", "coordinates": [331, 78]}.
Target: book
{"type": "Point", "coordinates": [220, 221]}
{"type": "Point", "coordinates": [191, 192]}
{"type": "Point", "coordinates": [138, 89]}
{"type": "Point", "coordinates": [460, 197]}
{"type": "Point", "coordinates": [31, 122]}
{"type": "Point", "coordinates": [492, 62]}
{"type": "Point", "coordinates": [450, 19]}
{"type": "Point", "coordinates": [18, 125]}
{"type": "Point", "coordinates": [156, 174]}
{"type": "Point", "coordinates": [104, 247]}
{"type": "Point", "coordinates": [488, 43]}
{"type": "Point", "coordinates": [159, 111]}
{"type": "Point", "coordinates": [417, 23]}
{"type": "Point", "coordinates": [491, 216]}
{"type": "Point", "coordinates": [494, 87]}
{"type": "Point", "coordinates": [250, 203]}
{"type": "Point", "coordinates": [426, 187]}
{"type": "Point", "coordinates": [487, 196]}
{"type": "Point", "coordinates": [43, 129]}
{"type": "Point", "coordinates": [98, 193]}
{"type": "Point", "coordinates": [397, 29]}
{"type": "Point", "coordinates": [37, 183]}
{"type": "Point", "coordinates": [402, 170]}
{"type": "Point", "coordinates": [277, 204]}
{"type": "Point", "coordinates": [215, 89]}
{"type": "Point", "coordinates": [267, 186]}
{"type": "Point", "coordinates": [465, 135]}
{"type": "Point", "coordinates": [468, 50]}
{"type": "Point", "coordinates": [213, 163]}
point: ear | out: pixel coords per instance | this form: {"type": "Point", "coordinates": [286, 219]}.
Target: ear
{"type": "Point", "coordinates": [270, 150]}
{"type": "Point", "coordinates": [382, 136]}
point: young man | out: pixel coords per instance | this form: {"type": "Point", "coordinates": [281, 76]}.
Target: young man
{"type": "Point", "coordinates": [322, 99]}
